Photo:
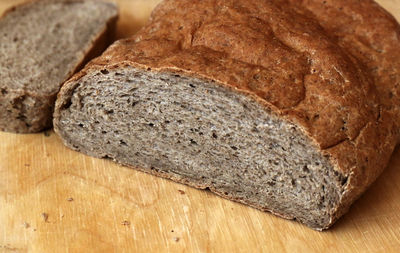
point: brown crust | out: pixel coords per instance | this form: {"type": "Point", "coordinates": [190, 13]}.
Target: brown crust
{"type": "Point", "coordinates": [290, 58]}
{"type": "Point", "coordinates": [30, 112]}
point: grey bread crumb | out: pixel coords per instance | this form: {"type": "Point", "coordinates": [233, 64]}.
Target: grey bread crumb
{"type": "Point", "coordinates": [198, 132]}
{"type": "Point", "coordinates": [42, 43]}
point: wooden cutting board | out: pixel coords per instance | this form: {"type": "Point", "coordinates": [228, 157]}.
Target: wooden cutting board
{"type": "Point", "coordinates": [53, 199]}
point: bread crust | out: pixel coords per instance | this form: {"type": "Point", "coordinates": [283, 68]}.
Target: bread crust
{"type": "Point", "coordinates": [287, 56]}
{"type": "Point", "coordinates": [24, 111]}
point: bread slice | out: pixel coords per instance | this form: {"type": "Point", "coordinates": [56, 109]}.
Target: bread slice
{"type": "Point", "coordinates": [273, 104]}
{"type": "Point", "coordinates": [42, 43]}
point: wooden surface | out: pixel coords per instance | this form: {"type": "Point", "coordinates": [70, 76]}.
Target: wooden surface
{"type": "Point", "coordinates": [53, 199]}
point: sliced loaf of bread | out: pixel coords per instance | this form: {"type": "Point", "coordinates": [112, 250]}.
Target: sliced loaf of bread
{"type": "Point", "coordinates": [286, 106]}
{"type": "Point", "coordinates": [42, 44]}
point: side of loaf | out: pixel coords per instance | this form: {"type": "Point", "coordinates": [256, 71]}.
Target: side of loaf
{"type": "Point", "coordinates": [262, 102]}
{"type": "Point", "coordinates": [42, 44]}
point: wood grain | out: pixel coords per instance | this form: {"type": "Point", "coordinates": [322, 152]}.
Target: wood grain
{"type": "Point", "coordinates": [53, 199]}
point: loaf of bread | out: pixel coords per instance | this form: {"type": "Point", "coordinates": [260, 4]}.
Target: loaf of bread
{"type": "Point", "coordinates": [290, 107]}
{"type": "Point", "coordinates": [42, 44]}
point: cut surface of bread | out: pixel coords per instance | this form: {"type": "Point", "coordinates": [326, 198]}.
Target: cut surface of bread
{"type": "Point", "coordinates": [196, 131]}
{"type": "Point", "coordinates": [267, 103]}
{"type": "Point", "coordinates": [42, 43]}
